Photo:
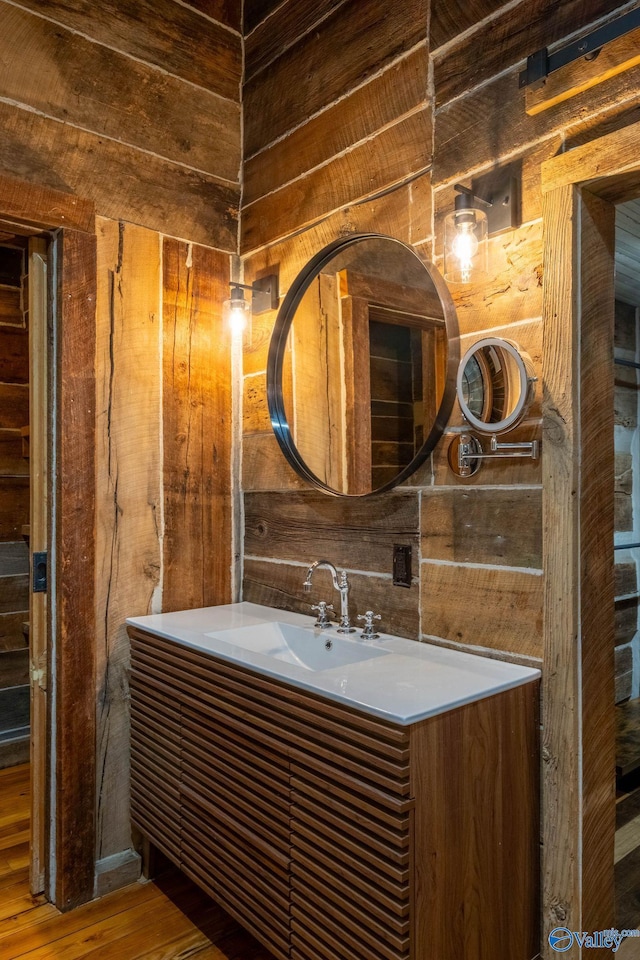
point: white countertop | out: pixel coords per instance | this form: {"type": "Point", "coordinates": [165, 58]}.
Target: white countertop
{"type": "Point", "coordinates": [413, 681]}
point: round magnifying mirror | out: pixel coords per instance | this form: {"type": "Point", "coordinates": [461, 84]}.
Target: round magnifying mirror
{"type": "Point", "coordinates": [361, 368]}
{"type": "Point", "coordinates": [495, 385]}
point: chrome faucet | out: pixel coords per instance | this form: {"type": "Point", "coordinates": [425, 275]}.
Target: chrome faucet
{"type": "Point", "coordinates": [341, 584]}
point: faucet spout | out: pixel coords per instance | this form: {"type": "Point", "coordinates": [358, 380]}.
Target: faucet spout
{"type": "Point", "coordinates": [341, 584]}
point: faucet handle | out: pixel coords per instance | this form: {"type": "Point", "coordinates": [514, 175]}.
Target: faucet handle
{"type": "Point", "coordinates": [323, 621]}
{"type": "Point", "coordinates": [369, 631]}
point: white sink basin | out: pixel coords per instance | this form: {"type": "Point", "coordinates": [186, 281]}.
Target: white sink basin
{"type": "Point", "coordinates": [391, 677]}
{"type": "Point", "coordinates": [310, 649]}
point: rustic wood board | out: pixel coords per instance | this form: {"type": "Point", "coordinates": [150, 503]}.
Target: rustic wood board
{"type": "Point", "coordinates": [609, 166]}
{"type": "Point", "coordinates": [624, 330]}
{"type": "Point", "coordinates": [597, 556]}
{"type": "Point", "coordinates": [623, 492]}
{"type": "Point", "coordinates": [14, 592]}
{"type": "Point", "coordinates": [509, 600]}
{"type": "Point", "coordinates": [467, 135]}
{"type": "Point", "coordinates": [288, 22]}
{"type": "Point", "coordinates": [128, 493]}
{"type": "Point", "coordinates": [355, 42]}
{"type": "Point", "coordinates": [255, 11]}
{"type": "Point", "coordinates": [14, 668]}
{"type": "Point", "coordinates": [623, 672]}
{"type": "Point", "coordinates": [509, 38]}
{"type": "Point", "coordinates": [74, 572]}
{"type": "Point", "coordinates": [449, 20]}
{"type": "Point", "coordinates": [150, 191]}
{"type": "Point", "coordinates": [14, 506]}
{"type": "Point", "coordinates": [383, 100]}
{"type": "Point", "coordinates": [578, 554]}
{"type": "Point", "coordinates": [358, 534]}
{"type": "Point", "coordinates": [255, 413]}
{"type": "Point", "coordinates": [197, 551]}
{"type": "Point", "coordinates": [14, 406]}
{"type": "Point", "coordinates": [11, 630]}
{"type": "Point", "coordinates": [616, 57]}
{"type": "Point", "coordinates": [502, 527]}
{"type": "Point", "coordinates": [625, 578]}
{"type": "Point", "coordinates": [395, 214]}
{"type": "Point", "coordinates": [157, 31]}
{"type": "Point", "coordinates": [277, 584]}
{"type": "Point", "coordinates": [11, 307]}
{"type": "Point", "coordinates": [115, 96]}
{"type": "Point", "coordinates": [615, 117]}
{"type": "Point", "coordinates": [25, 201]}
{"type": "Point", "coordinates": [626, 398]}
{"type": "Point", "coordinates": [625, 620]}
{"type": "Point", "coordinates": [264, 466]}
{"type": "Point", "coordinates": [228, 12]}
{"type": "Point", "coordinates": [387, 158]}
{"type": "Point", "coordinates": [14, 356]}
{"type": "Point", "coordinates": [13, 459]}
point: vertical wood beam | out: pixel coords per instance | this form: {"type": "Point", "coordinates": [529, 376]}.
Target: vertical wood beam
{"type": "Point", "coordinates": [196, 411]}
{"type": "Point", "coordinates": [578, 774]}
{"type": "Point", "coordinates": [128, 498]}
{"type": "Point", "coordinates": [597, 247]}
{"type": "Point", "coordinates": [75, 713]}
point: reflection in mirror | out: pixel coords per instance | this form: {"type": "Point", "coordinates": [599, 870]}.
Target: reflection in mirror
{"type": "Point", "coordinates": [496, 383]}
{"type": "Point", "coordinates": [361, 365]}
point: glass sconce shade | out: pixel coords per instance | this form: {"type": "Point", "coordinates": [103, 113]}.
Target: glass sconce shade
{"type": "Point", "coordinates": [236, 311]}
{"type": "Point", "coordinates": [465, 245]}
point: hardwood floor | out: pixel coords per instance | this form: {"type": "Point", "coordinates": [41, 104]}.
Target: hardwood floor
{"type": "Point", "coordinates": [170, 918]}
{"type": "Point", "coordinates": [167, 919]}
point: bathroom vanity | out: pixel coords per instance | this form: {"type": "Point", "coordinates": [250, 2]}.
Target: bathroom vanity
{"type": "Point", "coordinates": [343, 799]}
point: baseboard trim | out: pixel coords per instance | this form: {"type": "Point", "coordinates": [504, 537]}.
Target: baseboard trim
{"type": "Point", "coordinates": [116, 871]}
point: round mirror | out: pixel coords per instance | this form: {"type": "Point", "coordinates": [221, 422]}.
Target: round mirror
{"type": "Point", "coordinates": [361, 369]}
{"type": "Point", "coordinates": [495, 386]}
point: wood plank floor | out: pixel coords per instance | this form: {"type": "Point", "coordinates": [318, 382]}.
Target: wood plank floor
{"type": "Point", "coordinates": [167, 919]}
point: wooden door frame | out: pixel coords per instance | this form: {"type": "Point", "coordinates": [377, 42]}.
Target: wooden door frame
{"type": "Point", "coordinates": [578, 770]}
{"type": "Point", "coordinates": [70, 857]}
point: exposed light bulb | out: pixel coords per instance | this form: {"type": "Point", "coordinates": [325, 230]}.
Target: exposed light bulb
{"type": "Point", "coordinates": [237, 311]}
{"type": "Point", "coordinates": [238, 317]}
{"type": "Point", "coordinates": [464, 248]}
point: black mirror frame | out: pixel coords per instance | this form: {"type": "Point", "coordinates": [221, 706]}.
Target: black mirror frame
{"type": "Point", "coordinates": [277, 347]}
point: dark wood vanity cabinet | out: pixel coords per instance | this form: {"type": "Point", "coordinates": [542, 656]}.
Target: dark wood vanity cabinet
{"type": "Point", "coordinates": [332, 834]}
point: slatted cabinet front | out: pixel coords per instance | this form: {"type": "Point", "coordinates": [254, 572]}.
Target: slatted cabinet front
{"type": "Point", "coordinates": [294, 812]}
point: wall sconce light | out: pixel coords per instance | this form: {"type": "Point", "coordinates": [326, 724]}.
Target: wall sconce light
{"type": "Point", "coordinates": [488, 207]}
{"type": "Point", "coordinates": [237, 311]}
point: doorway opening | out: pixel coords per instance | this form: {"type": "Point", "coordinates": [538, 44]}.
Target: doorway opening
{"type": "Point", "coordinates": [24, 536]}
{"type": "Point", "coordinates": [627, 557]}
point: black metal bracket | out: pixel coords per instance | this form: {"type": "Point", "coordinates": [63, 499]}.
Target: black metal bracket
{"type": "Point", "coordinates": [541, 63]}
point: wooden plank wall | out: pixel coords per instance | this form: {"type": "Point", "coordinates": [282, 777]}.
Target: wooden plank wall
{"type": "Point", "coordinates": [372, 99]}
{"type": "Point", "coordinates": [133, 109]}
{"type": "Point", "coordinates": [163, 539]}
{"type": "Point", "coordinates": [134, 105]}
